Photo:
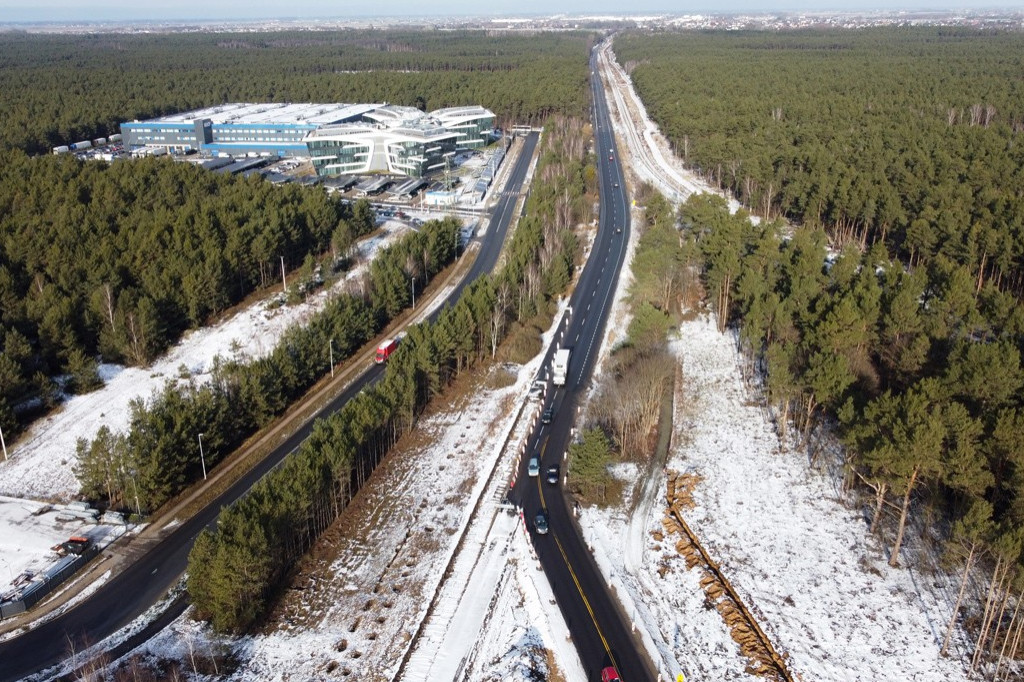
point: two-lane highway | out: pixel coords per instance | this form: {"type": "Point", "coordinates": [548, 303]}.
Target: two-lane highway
{"type": "Point", "coordinates": [130, 593]}
{"type": "Point", "coordinates": [599, 629]}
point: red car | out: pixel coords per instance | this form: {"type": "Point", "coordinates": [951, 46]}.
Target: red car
{"type": "Point", "coordinates": [609, 674]}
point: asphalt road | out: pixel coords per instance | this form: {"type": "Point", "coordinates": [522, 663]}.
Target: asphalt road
{"type": "Point", "coordinates": [130, 593]}
{"type": "Point", "coordinates": [600, 631]}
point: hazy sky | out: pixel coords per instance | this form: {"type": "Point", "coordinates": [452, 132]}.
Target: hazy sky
{"type": "Point", "coordinates": [113, 10]}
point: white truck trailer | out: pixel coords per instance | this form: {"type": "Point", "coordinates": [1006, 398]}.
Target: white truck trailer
{"type": "Point", "coordinates": [560, 366]}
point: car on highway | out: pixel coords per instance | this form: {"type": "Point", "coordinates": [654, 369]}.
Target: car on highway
{"type": "Point", "coordinates": [609, 674]}
{"type": "Point", "coordinates": [547, 415]}
{"type": "Point", "coordinates": [611, 158]}
{"type": "Point", "coordinates": [533, 469]}
{"type": "Point", "coordinates": [553, 475]}
{"type": "Point", "coordinates": [616, 185]}
{"type": "Point", "coordinates": [541, 523]}
{"type": "Point", "coordinates": [537, 390]}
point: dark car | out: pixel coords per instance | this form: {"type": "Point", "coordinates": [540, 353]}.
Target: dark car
{"type": "Point", "coordinates": [541, 523]}
{"type": "Point", "coordinates": [547, 415]}
{"type": "Point", "coordinates": [553, 475]}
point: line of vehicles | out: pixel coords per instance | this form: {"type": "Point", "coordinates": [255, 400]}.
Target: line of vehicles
{"type": "Point", "coordinates": [559, 373]}
{"type": "Point", "coordinates": [87, 144]}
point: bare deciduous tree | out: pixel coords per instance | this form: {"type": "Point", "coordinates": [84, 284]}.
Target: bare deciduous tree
{"type": "Point", "coordinates": [630, 400]}
{"type": "Point", "coordinates": [976, 113]}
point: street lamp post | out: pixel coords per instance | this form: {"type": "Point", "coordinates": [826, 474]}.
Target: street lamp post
{"type": "Point", "coordinates": [412, 285]}
{"type": "Point", "coordinates": [202, 458]}
{"type": "Point", "coordinates": [332, 357]}
{"type": "Point", "coordinates": [2, 442]}
{"type": "Point", "coordinates": [135, 489]}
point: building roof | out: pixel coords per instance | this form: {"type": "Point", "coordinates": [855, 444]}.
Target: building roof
{"type": "Point", "coordinates": [409, 186]}
{"type": "Point", "coordinates": [359, 117]}
{"type": "Point", "coordinates": [391, 114]}
{"type": "Point", "coordinates": [342, 129]}
{"type": "Point", "coordinates": [374, 184]}
{"type": "Point", "coordinates": [242, 113]}
{"type": "Point", "coordinates": [470, 111]}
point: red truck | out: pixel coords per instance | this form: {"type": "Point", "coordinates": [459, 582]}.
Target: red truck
{"type": "Point", "coordinates": [384, 350]}
{"type": "Point", "coordinates": [76, 544]}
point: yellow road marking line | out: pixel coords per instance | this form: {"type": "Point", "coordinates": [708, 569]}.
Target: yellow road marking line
{"type": "Point", "coordinates": [586, 603]}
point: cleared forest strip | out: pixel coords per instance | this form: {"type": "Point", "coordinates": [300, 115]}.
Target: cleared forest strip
{"type": "Point", "coordinates": [764, 660]}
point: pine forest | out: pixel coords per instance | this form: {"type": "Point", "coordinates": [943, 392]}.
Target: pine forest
{"type": "Point", "coordinates": [878, 298]}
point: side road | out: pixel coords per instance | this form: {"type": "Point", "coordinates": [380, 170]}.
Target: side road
{"type": "Point", "coordinates": [116, 557]}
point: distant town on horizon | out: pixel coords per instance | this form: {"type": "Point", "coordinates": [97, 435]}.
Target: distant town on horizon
{"type": "Point", "coordinates": [1004, 18]}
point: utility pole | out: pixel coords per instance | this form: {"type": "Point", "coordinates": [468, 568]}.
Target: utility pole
{"type": "Point", "coordinates": [202, 458]}
{"type": "Point", "coordinates": [412, 285]}
{"type": "Point", "coordinates": [3, 443]}
{"type": "Point", "coordinates": [332, 358]}
{"type": "Point", "coordinates": [284, 282]}
{"type": "Point", "coordinates": [135, 488]}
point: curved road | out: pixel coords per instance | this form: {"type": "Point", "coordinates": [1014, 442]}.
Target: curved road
{"type": "Point", "coordinates": [599, 629]}
{"type": "Point", "coordinates": [130, 593]}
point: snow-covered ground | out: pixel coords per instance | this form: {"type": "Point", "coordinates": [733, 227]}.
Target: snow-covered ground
{"type": "Point", "coordinates": [28, 530]}
{"type": "Point", "coordinates": [649, 153]}
{"type": "Point", "coordinates": [42, 463]}
{"type": "Point", "coordinates": [802, 561]}
{"type": "Point", "coordinates": [355, 612]}
{"type": "Point", "coordinates": [799, 558]}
